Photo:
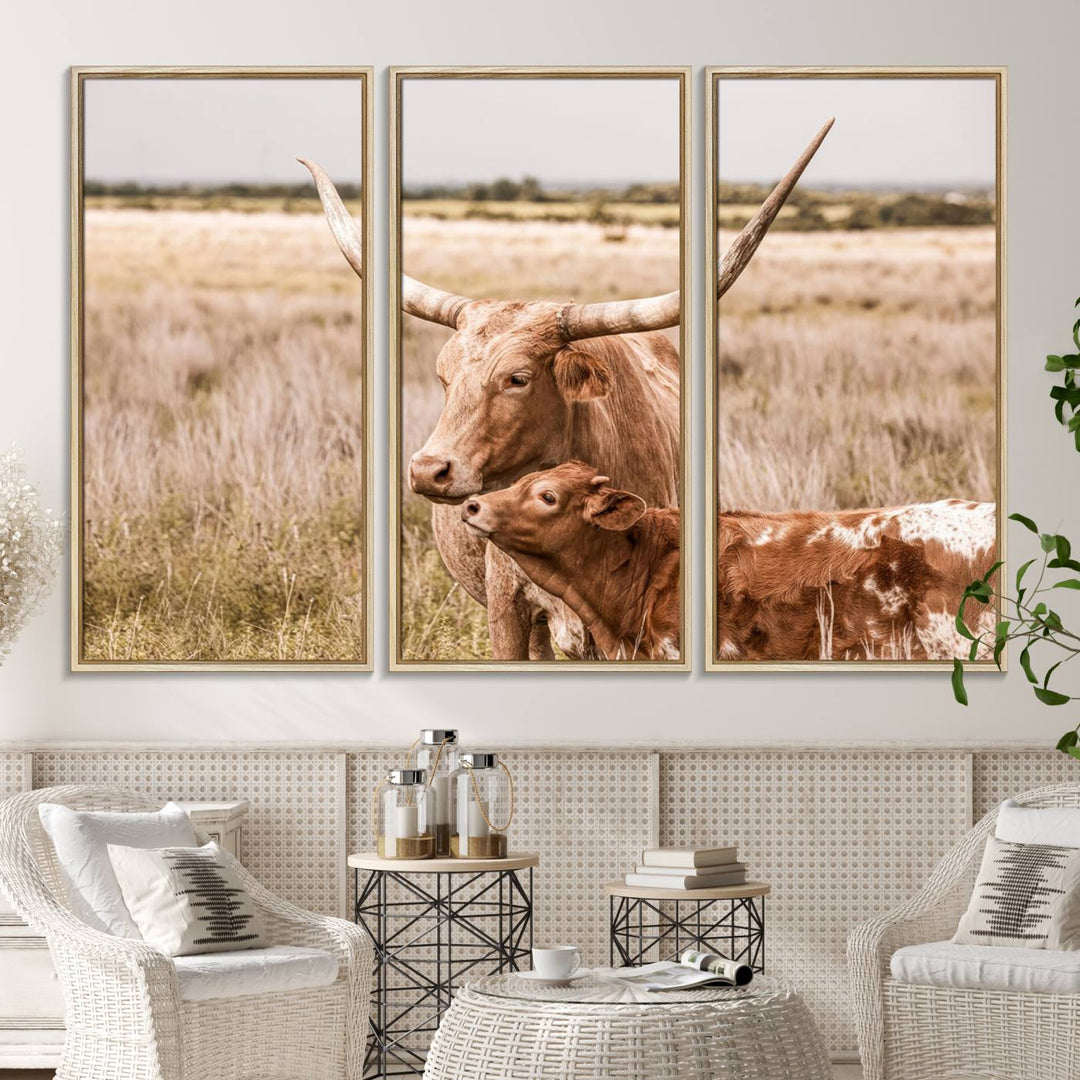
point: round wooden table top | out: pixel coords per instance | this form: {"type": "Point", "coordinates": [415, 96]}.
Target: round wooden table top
{"type": "Point", "coordinates": [721, 892]}
{"type": "Point", "coordinates": [516, 860]}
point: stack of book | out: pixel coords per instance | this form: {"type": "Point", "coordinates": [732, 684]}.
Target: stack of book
{"type": "Point", "coordinates": [688, 868]}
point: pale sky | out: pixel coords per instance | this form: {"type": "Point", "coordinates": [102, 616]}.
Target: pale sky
{"type": "Point", "coordinates": [593, 130]}
{"type": "Point", "coordinates": [899, 132]}
{"type": "Point", "coordinates": [213, 131]}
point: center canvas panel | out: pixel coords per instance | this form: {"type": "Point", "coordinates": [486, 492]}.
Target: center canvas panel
{"type": "Point", "coordinates": [540, 463]}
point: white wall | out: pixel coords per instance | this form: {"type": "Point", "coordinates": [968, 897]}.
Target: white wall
{"type": "Point", "coordinates": [41, 700]}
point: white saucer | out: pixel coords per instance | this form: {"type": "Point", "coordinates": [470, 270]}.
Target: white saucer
{"type": "Point", "coordinates": [536, 977]}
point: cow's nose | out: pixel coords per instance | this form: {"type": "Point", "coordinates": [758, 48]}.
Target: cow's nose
{"type": "Point", "coordinates": [430, 472]}
{"type": "Point", "coordinates": [472, 507]}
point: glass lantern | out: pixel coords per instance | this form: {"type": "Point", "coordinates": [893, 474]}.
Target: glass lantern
{"type": "Point", "coordinates": [485, 807]}
{"type": "Point", "coordinates": [437, 754]}
{"type": "Point", "coordinates": [405, 813]}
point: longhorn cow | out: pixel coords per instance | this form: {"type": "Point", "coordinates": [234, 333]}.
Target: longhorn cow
{"type": "Point", "coordinates": [531, 384]}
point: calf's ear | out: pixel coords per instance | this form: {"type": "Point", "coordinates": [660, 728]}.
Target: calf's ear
{"type": "Point", "coordinates": [614, 510]}
{"type": "Point", "coordinates": [580, 376]}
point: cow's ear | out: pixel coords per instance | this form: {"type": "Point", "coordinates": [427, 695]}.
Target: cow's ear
{"type": "Point", "coordinates": [614, 510]}
{"type": "Point", "coordinates": [580, 376]}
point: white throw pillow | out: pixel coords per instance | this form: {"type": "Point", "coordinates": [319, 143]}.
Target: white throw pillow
{"type": "Point", "coordinates": [1057, 825]}
{"type": "Point", "coordinates": [187, 900]}
{"type": "Point", "coordinates": [81, 838]}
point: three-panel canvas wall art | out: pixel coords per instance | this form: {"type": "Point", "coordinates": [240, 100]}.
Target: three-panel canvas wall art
{"type": "Point", "coordinates": [541, 377]}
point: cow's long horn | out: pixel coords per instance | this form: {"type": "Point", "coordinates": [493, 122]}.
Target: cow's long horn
{"type": "Point", "coordinates": [660, 312]}
{"type": "Point", "coordinates": [418, 299]}
{"type": "Point", "coordinates": [753, 232]}
{"type": "Point", "coordinates": [578, 321]}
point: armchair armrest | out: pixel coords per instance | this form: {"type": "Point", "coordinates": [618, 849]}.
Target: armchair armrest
{"type": "Point", "coordinates": [288, 924]}
{"type": "Point", "coordinates": [929, 915]}
{"type": "Point", "coordinates": [115, 987]}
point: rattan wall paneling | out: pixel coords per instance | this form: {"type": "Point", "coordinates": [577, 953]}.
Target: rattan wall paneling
{"type": "Point", "coordinates": [840, 835]}
{"type": "Point", "coordinates": [291, 839]}
{"type": "Point", "coordinates": [14, 772]}
{"type": "Point", "coordinates": [364, 771]}
{"type": "Point", "coordinates": [589, 816]}
{"type": "Point", "coordinates": [1000, 774]}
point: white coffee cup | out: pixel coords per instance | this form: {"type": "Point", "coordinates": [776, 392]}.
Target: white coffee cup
{"type": "Point", "coordinates": [556, 961]}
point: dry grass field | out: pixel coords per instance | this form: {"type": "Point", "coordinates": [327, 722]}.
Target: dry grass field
{"type": "Point", "coordinates": [223, 462]}
{"type": "Point", "coordinates": [560, 211]}
{"type": "Point", "coordinates": [857, 369]}
{"type": "Point", "coordinates": [223, 439]}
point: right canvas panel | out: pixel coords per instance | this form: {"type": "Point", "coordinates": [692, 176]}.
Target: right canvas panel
{"type": "Point", "coordinates": [855, 363]}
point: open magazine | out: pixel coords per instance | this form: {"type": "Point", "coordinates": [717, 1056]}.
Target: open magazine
{"type": "Point", "coordinates": [693, 969]}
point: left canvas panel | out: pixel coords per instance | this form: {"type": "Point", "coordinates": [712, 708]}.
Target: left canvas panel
{"type": "Point", "coordinates": [221, 352]}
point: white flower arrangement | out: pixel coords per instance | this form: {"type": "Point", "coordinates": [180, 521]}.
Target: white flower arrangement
{"type": "Point", "coordinates": [31, 540]}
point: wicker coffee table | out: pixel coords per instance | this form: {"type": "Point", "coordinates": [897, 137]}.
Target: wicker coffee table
{"type": "Point", "coordinates": [593, 1029]}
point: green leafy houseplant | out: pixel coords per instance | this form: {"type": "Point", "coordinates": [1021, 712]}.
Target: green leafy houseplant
{"type": "Point", "coordinates": [1026, 615]}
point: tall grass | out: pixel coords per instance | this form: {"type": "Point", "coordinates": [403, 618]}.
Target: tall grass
{"type": "Point", "coordinates": [857, 370]}
{"type": "Point", "coordinates": [223, 440]}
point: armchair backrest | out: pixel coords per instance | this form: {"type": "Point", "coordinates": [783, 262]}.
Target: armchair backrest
{"type": "Point", "coordinates": [1058, 795]}
{"type": "Point", "coordinates": [961, 865]}
{"type": "Point", "coordinates": [29, 872]}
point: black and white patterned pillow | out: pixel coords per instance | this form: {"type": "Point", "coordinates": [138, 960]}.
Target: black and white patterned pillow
{"type": "Point", "coordinates": [186, 900]}
{"type": "Point", "coordinates": [1026, 895]}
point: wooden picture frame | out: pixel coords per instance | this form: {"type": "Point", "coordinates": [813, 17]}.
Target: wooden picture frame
{"type": "Point", "coordinates": [399, 661]}
{"type": "Point", "coordinates": [714, 77]}
{"type": "Point", "coordinates": [355, 525]}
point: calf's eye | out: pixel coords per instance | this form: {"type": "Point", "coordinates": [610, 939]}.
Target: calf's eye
{"type": "Point", "coordinates": [518, 380]}
{"type": "Point", "coordinates": [549, 498]}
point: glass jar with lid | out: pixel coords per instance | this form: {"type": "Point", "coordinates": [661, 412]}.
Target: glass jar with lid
{"type": "Point", "coordinates": [405, 809]}
{"type": "Point", "coordinates": [485, 807]}
{"type": "Point", "coordinates": [437, 754]}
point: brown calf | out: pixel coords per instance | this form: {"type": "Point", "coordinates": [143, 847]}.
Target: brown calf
{"type": "Point", "coordinates": [612, 560]}
{"type": "Point", "coordinates": [852, 584]}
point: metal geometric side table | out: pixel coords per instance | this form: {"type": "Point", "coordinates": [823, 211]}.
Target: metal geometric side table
{"type": "Point", "coordinates": [433, 922]}
{"type": "Point", "coordinates": [729, 920]}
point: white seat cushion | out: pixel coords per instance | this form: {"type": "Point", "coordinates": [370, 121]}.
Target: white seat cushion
{"type": "Point", "coordinates": [988, 967]}
{"type": "Point", "coordinates": [253, 971]}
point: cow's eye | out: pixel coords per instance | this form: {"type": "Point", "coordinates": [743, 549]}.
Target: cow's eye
{"type": "Point", "coordinates": [518, 380]}
{"type": "Point", "coordinates": [549, 498]}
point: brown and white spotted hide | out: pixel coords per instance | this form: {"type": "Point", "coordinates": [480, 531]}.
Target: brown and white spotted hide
{"type": "Point", "coordinates": [851, 585]}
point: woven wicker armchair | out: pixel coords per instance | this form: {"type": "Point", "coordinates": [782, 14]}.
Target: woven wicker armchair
{"type": "Point", "coordinates": [924, 1032]}
{"type": "Point", "coordinates": [124, 1016]}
